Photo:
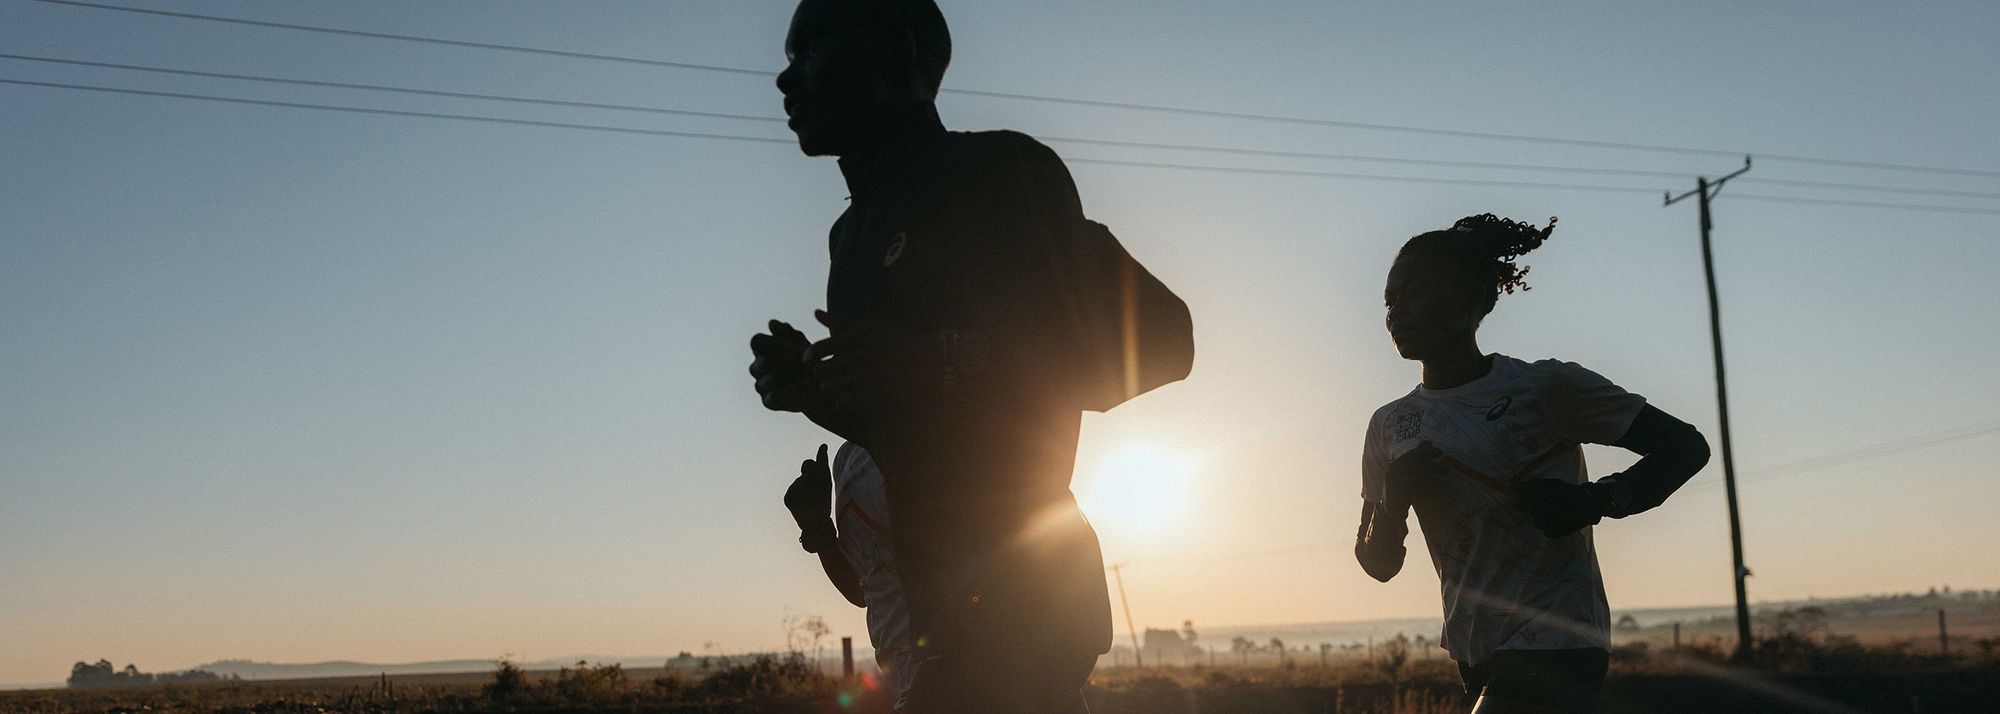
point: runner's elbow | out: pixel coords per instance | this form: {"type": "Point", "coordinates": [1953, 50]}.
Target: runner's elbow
{"type": "Point", "coordinates": [1380, 565]}
{"type": "Point", "coordinates": [1697, 450]}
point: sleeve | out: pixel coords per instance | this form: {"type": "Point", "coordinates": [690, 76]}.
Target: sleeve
{"type": "Point", "coordinates": [841, 459]}
{"type": "Point", "coordinates": [1374, 462]}
{"type": "Point", "coordinates": [1582, 407]}
{"type": "Point", "coordinates": [1084, 316]}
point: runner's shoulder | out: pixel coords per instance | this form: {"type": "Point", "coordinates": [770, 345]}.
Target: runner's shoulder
{"type": "Point", "coordinates": [1001, 141]}
{"type": "Point", "coordinates": [1558, 373]}
{"type": "Point", "coordinates": [1387, 411]}
{"type": "Point", "coordinates": [1006, 148]}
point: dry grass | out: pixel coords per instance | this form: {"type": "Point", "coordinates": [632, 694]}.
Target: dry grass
{"type": "Point", "coordinates": [1843, 677]}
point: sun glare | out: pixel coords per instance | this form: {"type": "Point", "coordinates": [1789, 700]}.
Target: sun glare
{"type": "Point", "coordinates": [1139, 488]}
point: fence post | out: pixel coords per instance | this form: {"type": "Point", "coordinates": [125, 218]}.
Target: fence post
{"type": "Point", "coordinates": [847, 658]}
{"type": "Point", "coordinates": [1944, 642]}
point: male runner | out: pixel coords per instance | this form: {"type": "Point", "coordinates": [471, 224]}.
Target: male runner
{"type": "Point", "coordinates": [975, 314]}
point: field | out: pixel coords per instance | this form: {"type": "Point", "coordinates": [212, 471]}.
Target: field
{"type": "Point", "coordinates": [1862, 680]}
{"type": "Point", "coordinates": [1874, 654]}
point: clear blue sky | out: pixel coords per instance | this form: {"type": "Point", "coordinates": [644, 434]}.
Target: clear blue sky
{"type": "Point", "coordinates": [294, 385]}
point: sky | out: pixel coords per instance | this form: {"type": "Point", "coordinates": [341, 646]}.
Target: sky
{"type": "Point", "coordinates": [294, 385]}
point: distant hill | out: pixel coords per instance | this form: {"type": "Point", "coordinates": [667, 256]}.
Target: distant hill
{"type": "Point", "coordinates": [1845, 612]}
{"type": "Point", "coordinates": [1873, 616]}
{"type": "Point", "coordinates": [247, 669]}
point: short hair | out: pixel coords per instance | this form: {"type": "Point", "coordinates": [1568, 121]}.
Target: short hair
{"type": "Point", "coordinates": [1483, 249]}
{"type": "Point", "coordinates": [929, 36]}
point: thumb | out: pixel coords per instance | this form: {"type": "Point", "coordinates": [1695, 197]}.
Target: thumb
{"type": "Point", "coordinates": [822, 457]}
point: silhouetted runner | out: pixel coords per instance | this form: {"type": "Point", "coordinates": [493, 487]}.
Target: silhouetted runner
{"type": "Point", "coordinates": [975, 314]}
{"type": "Point", "coordinates": [854, 549]}
{"type": "Point", "coordinates": [1487, 450]}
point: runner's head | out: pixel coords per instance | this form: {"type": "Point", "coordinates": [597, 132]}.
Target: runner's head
{"type": "Point", "coordinates": [1444, 282]}
{"type": "Point", "coordinates": [854, 65]}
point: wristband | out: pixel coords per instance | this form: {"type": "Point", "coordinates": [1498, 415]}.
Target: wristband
{"type": "Point", "coordinates": [818, 538]}
{"type": "Point", "coordinates": [1611, 497]}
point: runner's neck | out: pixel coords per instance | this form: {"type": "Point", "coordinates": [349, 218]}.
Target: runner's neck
{"type": "Point", "coordinates": [897, 139]}
{"type": "Point", "coordinates": [1457, 370]}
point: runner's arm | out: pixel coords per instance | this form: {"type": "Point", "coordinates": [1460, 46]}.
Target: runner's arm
{"type": "Point", "coordinates": [841, 571]}
{"type": "Point", "coordinates": [1671, 451]}
{"type": "Point", "coordinates": [1379, 543]}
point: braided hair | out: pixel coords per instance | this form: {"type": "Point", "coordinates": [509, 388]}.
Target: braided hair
{"type": "Point", "coordinates": [1482, 249]}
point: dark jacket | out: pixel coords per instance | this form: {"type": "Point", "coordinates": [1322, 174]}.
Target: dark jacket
{"type": "Point", "coordinates": [982, 235]}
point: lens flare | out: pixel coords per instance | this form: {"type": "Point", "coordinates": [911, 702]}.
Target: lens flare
{"type": "Point", "coordinates": [1137, 489]}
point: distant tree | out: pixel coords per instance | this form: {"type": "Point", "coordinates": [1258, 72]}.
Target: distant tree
{"type": "Point", "coordinates": [1242, 647]}
{"type": "Point", "coordinates": [103, 674]}
{"type": "Point", "coordinates": [90, 675]}
{"type": "Point", "coordinates": [802, 632]}
{"type": "Point", "coordinates": [509, 681]}
{"type": "Point", "coordinates": [1394, 654]}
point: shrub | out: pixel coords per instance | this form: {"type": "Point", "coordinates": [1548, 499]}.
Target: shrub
{"type": "Point", "coordinates": [509, 681]}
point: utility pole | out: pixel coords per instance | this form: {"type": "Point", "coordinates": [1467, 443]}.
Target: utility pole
{"type": "Point", "coordinates": [1138, 660]}
{"type": "Point", "coordinates": [1705, 190]}
{"type": "Point", "coordinates": [1944, 642]}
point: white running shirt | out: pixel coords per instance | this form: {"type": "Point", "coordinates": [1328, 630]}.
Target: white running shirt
{"type": "Point", "coordinates": [861, 515]}
{"type": "Point", "coordinates": [1506, 586]}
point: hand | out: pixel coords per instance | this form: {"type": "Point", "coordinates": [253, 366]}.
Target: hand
{"type": "Point", "coordinates": [1414, 476]}
{"type": "Point", "coordinates": [867, 367]}
{"type": "Point", "coordinates": [810, 499]}
{"type": "Point", "coordinates": [784, 383]}
{"type": "Point", "coordinates": [1560, 508]}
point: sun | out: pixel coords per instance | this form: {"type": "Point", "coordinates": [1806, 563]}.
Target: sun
{"type": "Point", "coordinates": [1136, 488]}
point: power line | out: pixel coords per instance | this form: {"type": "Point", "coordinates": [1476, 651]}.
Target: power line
{"type": "Point", "coordinates": [400, 113]}
{"type": "Point", "coordinates": [1363, 177]}
{"type": "Point", "coordinates": [1105, 162]}
{"type": "Point", "coordinates": [1607, 171]}
{"type": "Point", "coordinates": [401, 90]}
{"type": "Point", "coordinates": [414, 38]}
{"type": "Point", "coordinates": [787, 141]}
{"type": "Point", "coordinates": [1520, 184]}
{"type": "Point", "coordinates": [1886, 448]}
{"type": "Point", "coordinates": [1133, 106]}
{"type": "Point", "coordinates": [1867, 187]}
{"type": "Point", "coordinates": [1863, 204]}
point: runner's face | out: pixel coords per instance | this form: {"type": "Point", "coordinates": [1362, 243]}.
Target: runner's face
{"type": "Point", "coordinates": [1427, 311]}
{"type": "Point", "coordinates": [835, 79]}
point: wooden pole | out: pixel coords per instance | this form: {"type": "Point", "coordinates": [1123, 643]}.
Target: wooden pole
{"type": "Point", "coordinates": [1704, 191]}
{"type": "Point", "coordinates": [1944, 642]}
{"type": "Point", "coordinates": [1137, 660]}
